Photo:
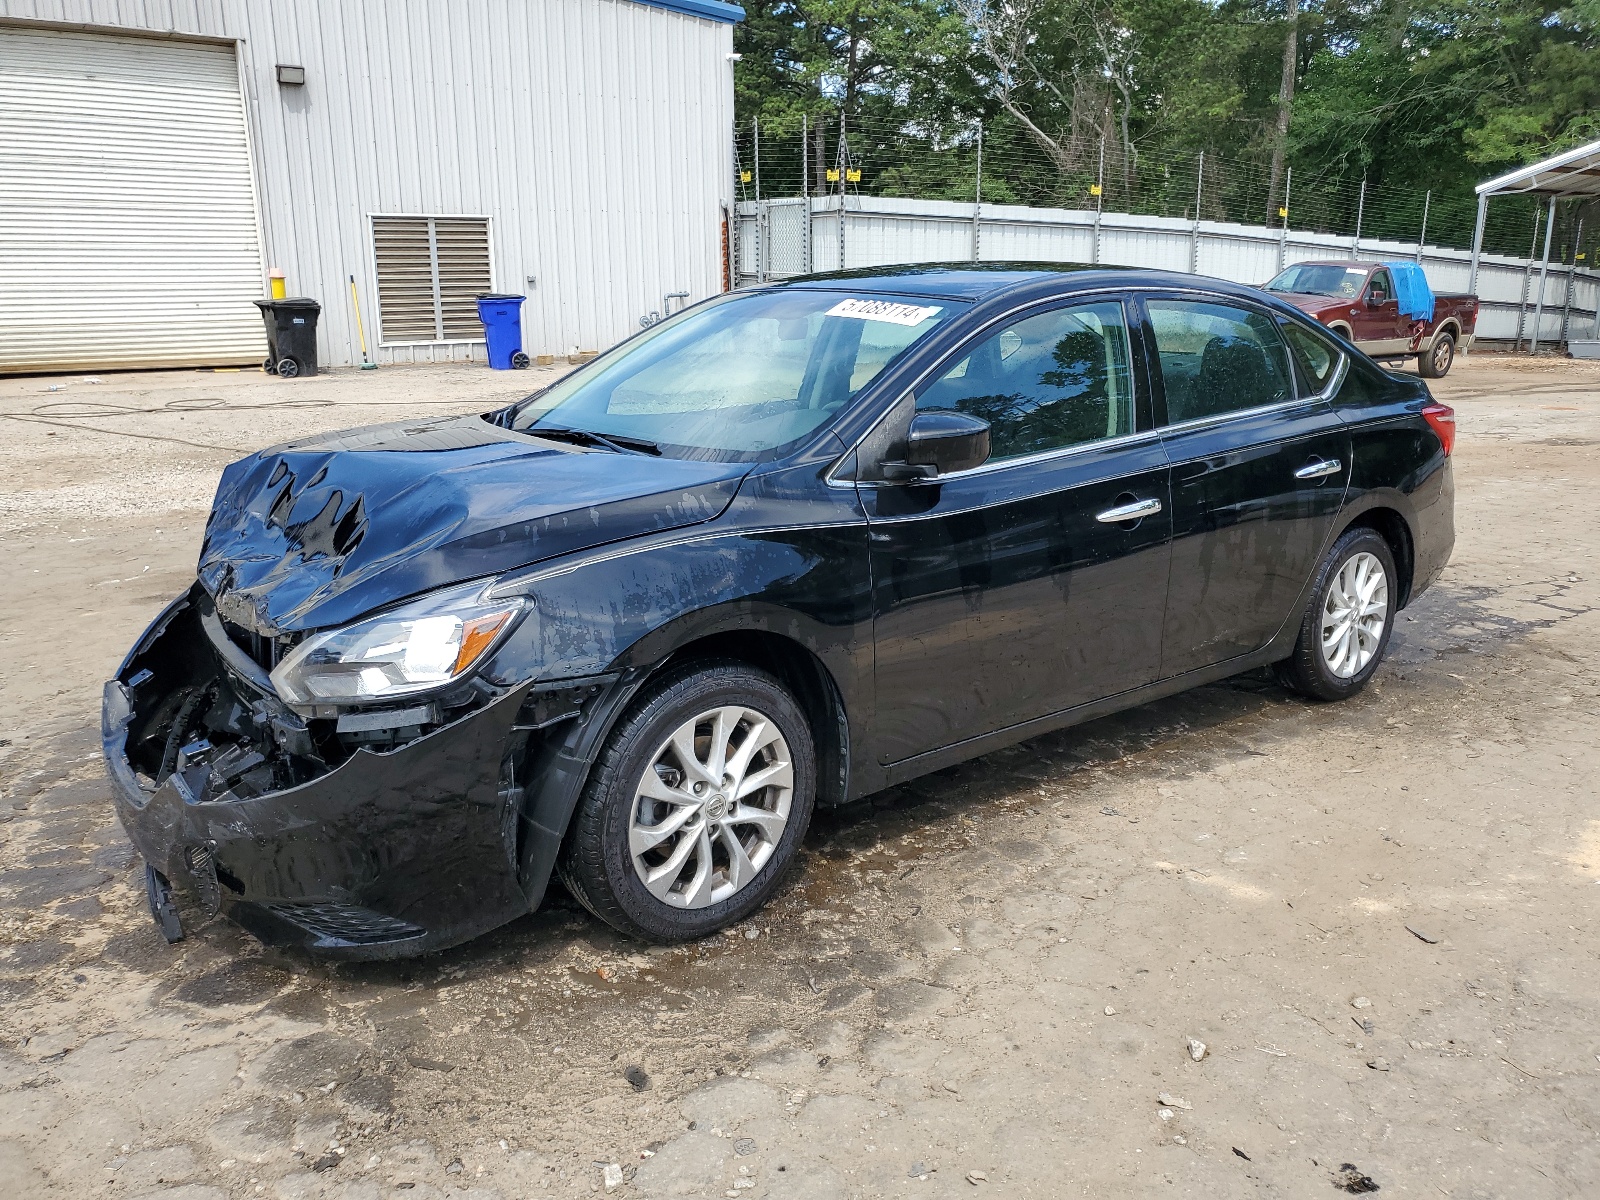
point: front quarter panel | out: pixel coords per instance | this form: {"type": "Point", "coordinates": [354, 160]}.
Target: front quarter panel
{"type": "Point", "coordinates": [788, 558]}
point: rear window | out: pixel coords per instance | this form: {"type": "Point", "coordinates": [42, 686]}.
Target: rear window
{"type": "Point", "coordinates": [1315, 357]}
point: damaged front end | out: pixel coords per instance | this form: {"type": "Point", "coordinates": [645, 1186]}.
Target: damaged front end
{"type": "Point", "coordinates": [356, 832]}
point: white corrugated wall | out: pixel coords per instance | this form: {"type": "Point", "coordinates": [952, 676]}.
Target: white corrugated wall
{"type": "Point", "coordinates": [592, 133]}
{"type": "Point", "coordinates": [881, 231]}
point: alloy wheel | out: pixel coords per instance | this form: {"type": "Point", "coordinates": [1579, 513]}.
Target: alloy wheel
{"type": "Point", "coordinates": [1354, 613]}
{"type": "Point", "coordinates": [711, 808]}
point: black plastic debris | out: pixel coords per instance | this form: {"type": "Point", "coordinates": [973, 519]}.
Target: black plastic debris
{"type": "Point", "coordinates": [1350, 1179]}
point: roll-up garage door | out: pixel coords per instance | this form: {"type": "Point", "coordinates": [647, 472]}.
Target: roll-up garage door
{"type": "Point", "coordinates": [127, 217]}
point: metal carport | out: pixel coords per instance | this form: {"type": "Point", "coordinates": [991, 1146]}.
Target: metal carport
{"type": "Point", "coordinates": [1571, 175]}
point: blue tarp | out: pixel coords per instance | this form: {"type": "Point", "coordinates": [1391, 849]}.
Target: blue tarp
{"type": "Point", "coordinates": [1412, 290]}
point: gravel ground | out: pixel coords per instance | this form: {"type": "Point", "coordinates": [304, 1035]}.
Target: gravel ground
{"type": "Point", "coordinates": [1378, 917]}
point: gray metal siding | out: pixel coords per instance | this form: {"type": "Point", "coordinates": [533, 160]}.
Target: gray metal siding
{"type": "Point", "coordinates": [592, 133]}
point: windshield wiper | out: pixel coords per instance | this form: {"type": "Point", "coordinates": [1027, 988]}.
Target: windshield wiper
{"type": "Point", "coordinates": [585, 437]}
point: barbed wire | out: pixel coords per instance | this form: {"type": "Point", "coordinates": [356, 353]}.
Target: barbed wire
{"type": "Point", "coordinates": [1003, 164]}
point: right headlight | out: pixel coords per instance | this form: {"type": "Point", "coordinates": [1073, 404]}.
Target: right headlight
{"type": "Point", "coordinates": [415, 648]}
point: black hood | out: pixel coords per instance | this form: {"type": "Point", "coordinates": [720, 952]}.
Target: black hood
{"type": "Point", "coordinates": [317, 532]}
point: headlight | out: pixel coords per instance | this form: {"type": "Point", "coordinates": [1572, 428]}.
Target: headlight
{"type": "Point", "coordinates": [414, 648]}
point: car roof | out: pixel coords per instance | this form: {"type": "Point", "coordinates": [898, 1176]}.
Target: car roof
{"type": "Point", "coordinates": [985, 281]}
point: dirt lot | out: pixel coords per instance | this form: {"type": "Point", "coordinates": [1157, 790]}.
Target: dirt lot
{"type": "Point", "coordinates": [1379, 917]}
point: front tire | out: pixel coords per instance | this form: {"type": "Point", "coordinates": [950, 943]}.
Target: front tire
{"type": "Point", "coordinates": [696, 807]}
{"type": "Point", "coordinates": [1440, 357]}
{"type": "Point", "coordinates": [1345, 631]}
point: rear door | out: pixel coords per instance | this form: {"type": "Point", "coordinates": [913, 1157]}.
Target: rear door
{"type": "Point", "coordinates": [1259, 470]}
{"type": "Point", "coordinates": [1012, 591]}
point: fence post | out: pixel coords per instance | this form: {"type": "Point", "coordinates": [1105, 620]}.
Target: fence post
{"type": "Point", "coordinates": [1194, 230]}
{"type": "Point", "coordinates": [1283, 226]}
{"type": "Point", "coordinates": [1361, 210]}
{"type": "Point", "coordinates": [805, 189]}
{"type": "Point", "coordinates": [1099, 200]}
{"type": "Point", "coordinates": [1572, 275]}
{"type": "Point", "coordinates": [842, 158]}
{"type": "Point", "coordinates": [1477, 245]}
{"type": "Point", "coordinates": [977, 196]}
{"type": "Point", "coordinates": [1544, 270]}
{"type": "Point", "coordinates": [1423, 236]}
{"type": "Point", "coordinates": [735, 234]}
{"type": "Point", "coordinates": [761, 215]}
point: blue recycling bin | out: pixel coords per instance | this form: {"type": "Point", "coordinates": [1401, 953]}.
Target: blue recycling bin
{"type": "Point", "coordinates": [502, 327]}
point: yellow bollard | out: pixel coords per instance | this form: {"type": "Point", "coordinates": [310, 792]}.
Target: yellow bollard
{"type": "Point", "coordinates": [279, 290]}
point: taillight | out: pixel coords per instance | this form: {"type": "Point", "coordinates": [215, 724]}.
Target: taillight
{"type": "Point", "coordinates": [1442, 419]}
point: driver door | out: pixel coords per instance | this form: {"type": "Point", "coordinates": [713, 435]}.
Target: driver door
{"type": "Point", "coordinates": [1382, 329]}
{"type": "Point", "coordinates": [1003, 593]}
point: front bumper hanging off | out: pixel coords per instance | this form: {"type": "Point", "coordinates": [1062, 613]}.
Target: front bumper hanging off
{"type": "Point", "coordinates": [390, 853]}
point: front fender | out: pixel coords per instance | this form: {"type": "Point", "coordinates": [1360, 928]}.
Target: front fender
{"type": "Point", "coordinates": [788, 559]}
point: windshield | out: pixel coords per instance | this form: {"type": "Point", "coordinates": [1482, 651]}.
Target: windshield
{"type": "Point", "coordinates": [1314, 279]}
{"type": "Point", "coordinates": [738, 379]}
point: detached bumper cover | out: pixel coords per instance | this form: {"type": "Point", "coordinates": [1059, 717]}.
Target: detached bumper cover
{"type": "Point", "coordinates": [389, 854]}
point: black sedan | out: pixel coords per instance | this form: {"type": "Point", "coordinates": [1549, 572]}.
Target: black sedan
{"type": "Point", "coordinates": [789, 547]}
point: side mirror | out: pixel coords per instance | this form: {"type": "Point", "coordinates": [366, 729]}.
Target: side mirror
{"type": "Point", "coordinates": [1375, 299]}
{"type": "Point", "coordinates": [939, 443]}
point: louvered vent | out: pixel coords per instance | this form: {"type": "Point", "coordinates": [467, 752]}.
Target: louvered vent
{"type": "Point", "coordinates": [431, 271]}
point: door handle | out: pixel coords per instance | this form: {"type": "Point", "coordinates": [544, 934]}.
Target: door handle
{"type": "Point", "coordinates": [1316, 470]}
{"type": "Point", "coordinates": [1129, 512]}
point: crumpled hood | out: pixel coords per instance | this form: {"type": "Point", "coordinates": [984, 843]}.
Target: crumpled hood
{"type": "Point", "coordinates": [317, 532]}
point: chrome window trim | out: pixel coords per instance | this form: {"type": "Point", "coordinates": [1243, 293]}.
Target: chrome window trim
{"type": "Point", "coordinates": [1126, 292]}
{"type": "Point", "coordinates": [1042, 456]}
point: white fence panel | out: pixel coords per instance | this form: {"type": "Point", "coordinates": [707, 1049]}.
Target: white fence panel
{"type": "Point", "coordinates": [886, 231]}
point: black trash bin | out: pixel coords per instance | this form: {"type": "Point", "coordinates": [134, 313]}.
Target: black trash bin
{"type": "Point", "coordinates": [291, 336]}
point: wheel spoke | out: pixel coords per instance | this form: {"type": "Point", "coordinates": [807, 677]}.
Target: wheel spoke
{"type": "Point", "coordinates": [698, 893]}
{"type": "Point", "coordinates": [771, 824]}
{"type": "Point", "coordinates": [759, 734]}
{"type": "Point", "coordinates": [722, 727]}
{"type": "Point", "coordinates": [682, 743]}
{"type": "Point", "coordinates": [643, 838]}
{"type": "Point", "coordinates": [779, 774]}
{"type": "Point", "coordinates": [660, 879]}
{"type": "Point", "coordinates": [740, 869]}
{"type": "Point", "coordinates": [653, 787]}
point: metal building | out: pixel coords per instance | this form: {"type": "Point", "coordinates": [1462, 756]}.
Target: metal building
{"type": "Point", "coordinates": [159, 157]}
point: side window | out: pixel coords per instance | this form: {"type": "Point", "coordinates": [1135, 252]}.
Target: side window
{"type": "Point", "coordinates": [1051, 380]}
{"type": "Point", "coordinates": [1217, 359]}
{"type": "Point", "coordinates": [1314, 356]}
{"type": "Point", "coordinates": [1380, 288]}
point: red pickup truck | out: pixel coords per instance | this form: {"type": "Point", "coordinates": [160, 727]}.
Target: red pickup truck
{"type": "Point", "coordinates": [1357, 301]}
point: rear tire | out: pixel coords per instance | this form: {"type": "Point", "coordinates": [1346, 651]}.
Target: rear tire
{"type": "Point", "coordinates": [1439, 358]}
{"type": "Point", "coordinates": [288, 368]}
{"type": "Point", "coordinates": [266, 365]}
{"type": "Point", "coordinates": [666, 844]}
{"type": "Point", "coordinates": [1345, 631]}
{"type": "Point", "coordinates": [520, 361]}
